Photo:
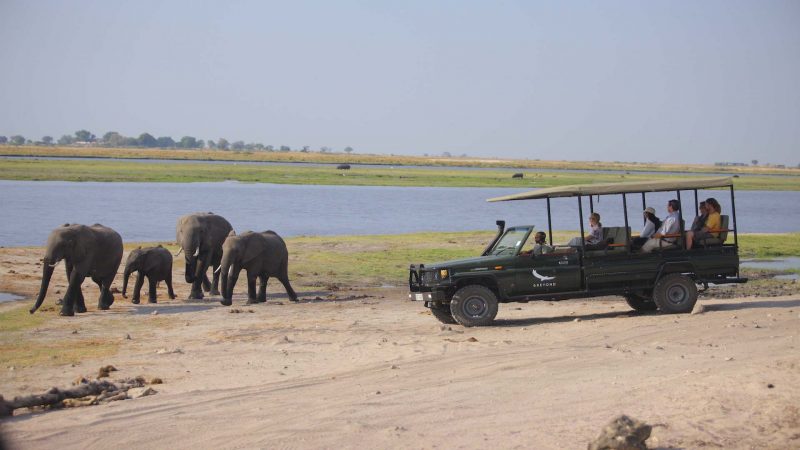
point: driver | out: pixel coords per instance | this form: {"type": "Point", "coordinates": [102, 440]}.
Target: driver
{"type": "Point", "coordinates": [540, 246]}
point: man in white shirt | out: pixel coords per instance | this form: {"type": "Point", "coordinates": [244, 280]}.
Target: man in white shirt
{"type": "Point", "coordinates": [670, 227]}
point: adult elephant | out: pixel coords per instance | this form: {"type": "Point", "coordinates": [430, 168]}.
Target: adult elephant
{"type": "Point", "coordinates": [200, 237]}
{"type": "Point", "coordinates": [94, 251]}
{"type": "Point", "coordinates": [262, 255]}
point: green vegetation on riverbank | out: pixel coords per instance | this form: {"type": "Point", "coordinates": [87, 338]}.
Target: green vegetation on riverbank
{"type": "Point", "coordinates": [389, 160]}
{"type": "Point", "coordinates": [113, 171]}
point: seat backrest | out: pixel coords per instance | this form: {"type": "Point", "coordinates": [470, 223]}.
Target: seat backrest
{"type": "Point", "coordinates": [724, 225]}
{"type": "Point", "coordinates": [618, 234]}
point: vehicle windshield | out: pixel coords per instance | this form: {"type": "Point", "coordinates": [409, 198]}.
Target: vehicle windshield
{"type": "Point", "coordinates": [511, 242]}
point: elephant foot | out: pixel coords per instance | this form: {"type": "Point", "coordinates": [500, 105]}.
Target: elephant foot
{"type": "Point", "coordinates": [214, 292]}
{"type": "Point", "coordinates": [135, 301]}
{"type": "Point", "coordinates": [294, 299]}
{"type": "Point", "coordinates": [151, 300]}
{"type": "Point", "coordinates": [195, 296]}
{"type": "Point", "coordinates": [172, 296]}
{"type": "Point", "coordinates": [66, 312]}
{"type": "Point", "coordinates": [80, 309]}
{"type": "Point", "coordinates": [104, 307]}
{"type": "Point", "coordinates": [226, 302]}
{"type": "Point", "coordinates": [251, 301]}
{"type": "Point", "coordinates": [262, 300]}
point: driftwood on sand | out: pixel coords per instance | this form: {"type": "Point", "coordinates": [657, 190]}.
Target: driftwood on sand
{"type": "Point", "coordinates": [84, 393]}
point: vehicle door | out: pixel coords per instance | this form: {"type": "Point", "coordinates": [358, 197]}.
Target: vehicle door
{"type": "Point", "coordinates": [550, 273]}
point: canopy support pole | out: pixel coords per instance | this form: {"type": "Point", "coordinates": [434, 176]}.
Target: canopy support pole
{"type": "Point", "coordinates": [549, 222]}
{"type": "Point", "coordinates": [644, 206]}
{"type": "Point", "coordinates": [680, 221]}
{"type": "Point", "coordinates": [627, 228]}
{"type": "Point", "coordinates": [735, 228]}
{"type": "Point", "coordinates": [696, 204]}
{"type": "Point", "coordinates": [580, 220]}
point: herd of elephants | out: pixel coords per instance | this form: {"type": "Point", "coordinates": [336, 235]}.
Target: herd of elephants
{"type": "Point", "coordinates": [206, 240]}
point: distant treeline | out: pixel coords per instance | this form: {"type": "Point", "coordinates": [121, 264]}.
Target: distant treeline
{"type": "Point", "coordinates": [85, 138]}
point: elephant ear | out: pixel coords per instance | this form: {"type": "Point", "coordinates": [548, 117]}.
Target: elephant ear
{"type": "Point", "coordinates": [80, 246]}
{"type": "Point", "coordinates": [149, 262]}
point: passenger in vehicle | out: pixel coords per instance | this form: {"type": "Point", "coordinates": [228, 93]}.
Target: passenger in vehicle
{"type": "Point", "coordinates": [595, 234]}
{"type": "Point", "coordinates": [713, 222]}
{"type": "Point", "coordinates": [700, 221]}
{"type": "Point", "coordinates": [540, 247]}
{"type": "Point", "coordinates": [651, 224]}
{"type": "Point", "coordinates": [670, 226]}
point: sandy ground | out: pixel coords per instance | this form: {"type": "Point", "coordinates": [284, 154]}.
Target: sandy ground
{"type": "Point", "coordinates": [381, 372]}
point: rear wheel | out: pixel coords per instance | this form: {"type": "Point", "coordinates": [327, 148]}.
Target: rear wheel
{"type": "Point", "coordinates": [639, 302]}
{"type": "Point", "coordinates": [675, 294]}
{"type": "Point", "coordinates": [443, 314]}
{"type": "Point", "coordinates": [474, 306]}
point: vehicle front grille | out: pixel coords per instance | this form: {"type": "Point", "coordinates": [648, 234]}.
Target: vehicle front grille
{"type": "Point", "coordinates": [429, 277]}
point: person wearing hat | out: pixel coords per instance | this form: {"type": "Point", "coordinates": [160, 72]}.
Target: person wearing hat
{"type": "Point", "coordinates": [651, 224]}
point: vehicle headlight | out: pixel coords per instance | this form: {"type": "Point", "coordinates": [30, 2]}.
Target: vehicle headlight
{"type": "Point", "coordinates": [443, 274]}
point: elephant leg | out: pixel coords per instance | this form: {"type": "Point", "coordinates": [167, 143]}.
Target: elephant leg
{"type": "Point", "coordinates": [106, 298]}
{"type": "Point", "coordinates": [215, 282]}
{"type": "Point", "coordinates": [285, 281]}
{"type": "Point", "coordinates": [168, 281]}
{"type": "Point", "coordinates": [73, 291]}
{"type": "Point", "coordinates": [137, 288]}
{"type": "Point", "coordinates": [262, 288]}
{"type": "Point", "coordinates": [251, 288]}
{"type": "Point", "coordinates": [207, 283]}
{"type": "Point", "coordinates": [197, 290]}
{"type": "Point", "coordinates": [215, 263]}
{"type": "Point", "coordinates": [80, 304]}
{"type": "Point", "coordinates": [151, 294]}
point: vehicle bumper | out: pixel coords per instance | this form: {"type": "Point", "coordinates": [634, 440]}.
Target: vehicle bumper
{"type": "Point", "coordinates": [426, 297]}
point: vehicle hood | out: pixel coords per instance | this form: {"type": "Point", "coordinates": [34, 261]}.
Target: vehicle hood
{"type": "Point", "coordinates": [455, 264]}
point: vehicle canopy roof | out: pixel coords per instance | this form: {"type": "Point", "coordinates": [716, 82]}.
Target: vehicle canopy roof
{"type": "Point", "coordinates": [619, 188]}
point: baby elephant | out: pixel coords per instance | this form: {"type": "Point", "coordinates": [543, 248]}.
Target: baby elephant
{"type": "Point", "coordinates": [262, 255]}
{"type": "Point", "coordinates": [155, 263]}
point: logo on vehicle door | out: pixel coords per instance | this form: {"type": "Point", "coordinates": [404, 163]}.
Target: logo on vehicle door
{"type": "Point", "coordinates": [544, 281]}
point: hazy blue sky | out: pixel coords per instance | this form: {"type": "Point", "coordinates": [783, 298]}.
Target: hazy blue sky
{"type": "Point", "coordinates": [681, 81]}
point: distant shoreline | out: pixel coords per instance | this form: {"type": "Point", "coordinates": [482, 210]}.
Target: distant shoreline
{"type": "Point", "coordinates": [374, 159]}
{"type": "Point", "coordinates": [99, 169]}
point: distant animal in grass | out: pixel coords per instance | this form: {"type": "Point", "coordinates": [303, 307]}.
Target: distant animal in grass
{"type": "Point", "coordinates": [518, 175]}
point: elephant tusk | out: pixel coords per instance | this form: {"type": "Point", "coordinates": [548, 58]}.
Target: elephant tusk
{"type": "Point", "coordinates": [197, 252]}
{"type": "Point", "coordinates": [218, 269]}
{"type": "Point", "coordinates": [54, 264]}
{"type": "Point", "coordinates": [179, 252]}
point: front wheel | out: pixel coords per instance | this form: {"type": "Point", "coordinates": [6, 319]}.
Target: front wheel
{"type": "Point", "coordinates": [675, 294]}
{"type": "Point", "coordinates": [474, 306]}
{"type": "Point", "coordinates": [442, 314]}
{"type": "Point", "coordinates": [641, 303]}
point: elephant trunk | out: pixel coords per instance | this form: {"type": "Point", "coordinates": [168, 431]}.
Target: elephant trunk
{"type": "Point", "coordinates": [128, 271]}
{"type": "Point", "coordinates": [224, 267]}
{"type": "Point", "coordinates": [47, 272]}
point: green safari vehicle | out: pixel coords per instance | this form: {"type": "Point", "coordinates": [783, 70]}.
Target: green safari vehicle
{"type": "Point", "coordinates": [469, 291]}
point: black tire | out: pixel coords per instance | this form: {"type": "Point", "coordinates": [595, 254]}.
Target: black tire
{"type": "Point", "coordinates": [642, 303]}
{"type": "Point", "coordinates": [442, 314]}
{"type": "Point", "coordinates": [474, 306]}
{"type": "Point", "coordinates": [675, 294]}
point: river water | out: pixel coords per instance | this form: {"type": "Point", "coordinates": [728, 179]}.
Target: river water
{"type": "Point", "coordinates": [149, 211]}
